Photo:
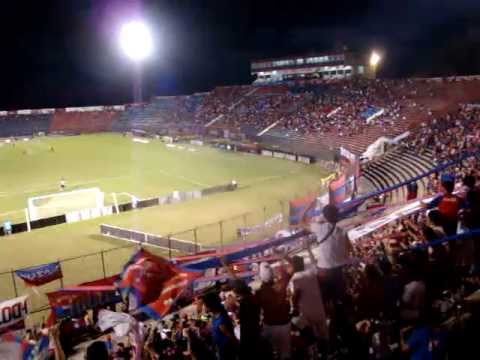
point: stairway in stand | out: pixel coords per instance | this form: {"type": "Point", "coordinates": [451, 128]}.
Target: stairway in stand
{"type": "Point", "coordinates": [397, 166]}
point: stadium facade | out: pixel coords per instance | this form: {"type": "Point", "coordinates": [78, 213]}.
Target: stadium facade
{"type": "Point", "coordinates": [330, 65]}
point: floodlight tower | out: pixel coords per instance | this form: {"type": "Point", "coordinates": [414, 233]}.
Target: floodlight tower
{"type": "Point", "coordinates": [137, 44]}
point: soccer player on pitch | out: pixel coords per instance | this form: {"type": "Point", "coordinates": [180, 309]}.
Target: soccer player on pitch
{"type": "Point", "coordinates": [62, 184]}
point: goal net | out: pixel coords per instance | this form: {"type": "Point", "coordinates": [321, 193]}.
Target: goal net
{"type": "Point", "coordinates": [40, 207]}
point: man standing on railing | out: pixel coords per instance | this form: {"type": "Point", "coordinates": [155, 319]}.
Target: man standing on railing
{"type": "Point", "coordinates": [332, 252]}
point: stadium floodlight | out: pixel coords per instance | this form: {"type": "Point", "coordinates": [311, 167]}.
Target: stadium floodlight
{"type": "Point", "coordinates": [374, 59]}
{"type": "Point", "coordinates": [136, 40]}
{"type": "Point", "coordinates": [137, 44]}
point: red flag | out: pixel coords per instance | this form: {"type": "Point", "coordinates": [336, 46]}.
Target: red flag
{"type": "Point", "coordinates": [154, 283]}
{"type": "Point", "coordinates": [73, 301]}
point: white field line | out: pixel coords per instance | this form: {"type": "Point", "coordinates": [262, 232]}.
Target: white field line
{"type": "Point", "coordinates": [181, 177]}
{"type": "Point", "coordinates": [268, 178]}
{"type": "Point", "coordinates": [130, 195]}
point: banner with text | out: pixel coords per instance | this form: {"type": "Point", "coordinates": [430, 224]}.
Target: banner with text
{"type": "Point", "coordinates": [13, 313]}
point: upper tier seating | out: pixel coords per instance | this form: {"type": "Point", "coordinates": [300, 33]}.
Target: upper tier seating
{"type": "Point", "coordinates": [221, 101]}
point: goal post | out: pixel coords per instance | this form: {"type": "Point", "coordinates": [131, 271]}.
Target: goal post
{"type": "Point", "coordinates": [44, 206]}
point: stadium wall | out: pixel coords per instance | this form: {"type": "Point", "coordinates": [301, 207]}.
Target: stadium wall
{"type": "Point", "coordinates": [264, 151]}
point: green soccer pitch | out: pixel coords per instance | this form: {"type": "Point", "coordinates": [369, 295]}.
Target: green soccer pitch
{"type": "Point", "coordinates": [115, 163]}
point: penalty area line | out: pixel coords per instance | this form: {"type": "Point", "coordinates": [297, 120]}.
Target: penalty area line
{"type": "Point", "coordinates": [191, 181]}
{"type": "Point", "coordinates": [268, 178]}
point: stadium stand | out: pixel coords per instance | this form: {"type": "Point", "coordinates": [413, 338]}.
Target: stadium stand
{"type": "Point", "coordinates": [24, 125]}
{"type": "Point", "coordinates": [322, 114]}
{"type": "Point", "coordinates": [220, 101]}
{"type": "Point", "coordinates": [125, 120]}
{"type": "Point", "coordinates": [79, 122]}
{"type": "Point", "coordinates": [399, 166]}
{"type": "Point", "coordinates": [161, 115]}
{"type": "Point", "coordinates": [349, 113]}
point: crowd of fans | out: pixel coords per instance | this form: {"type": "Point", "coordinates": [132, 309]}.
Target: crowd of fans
{"type": "Point", "coordinates": [449, 136]}
{"type": "Point", "coordinates": [261, 111]}
{"type": "Point", "coordinates": [392, 294]}
{"type": "Point", "coordinates": [316, 107]}
{"type": "Point", "coordinates": [395, 293]}
{"type": "Point", "coordinates": [219, 102]}
{"type": "Point", "coordinates": [344, 107]}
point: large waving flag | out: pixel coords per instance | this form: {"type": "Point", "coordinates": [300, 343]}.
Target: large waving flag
{"type": "Point", "coordinates": [153, 284]}
{"type": "Point", "coordinates": [303, 210]}
{"type": "Point", "coordinates": [338, 190]}
{"type": "Point", "coordinates": [74, 301]}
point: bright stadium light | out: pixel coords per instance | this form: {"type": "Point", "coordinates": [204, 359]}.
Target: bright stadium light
{"type": "Point", "coordinates": [137, 43]}
{"type": "Point", "coordinates": [136, 40]}
{"type": "Point", "coordinates": [374, 59]}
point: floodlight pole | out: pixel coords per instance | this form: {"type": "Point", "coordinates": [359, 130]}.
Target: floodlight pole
{"type": "Point", "coordinates": [137, 82]}
{"type": "Point", "coordinates": [374, 71]}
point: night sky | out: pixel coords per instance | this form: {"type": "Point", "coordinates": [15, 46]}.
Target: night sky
{"type": "Point", "coordinates": [65, 53]}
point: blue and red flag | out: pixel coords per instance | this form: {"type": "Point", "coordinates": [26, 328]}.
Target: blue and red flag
{"type": "Point", "coordinates": [232, 254]}
{"type": "Point", "coordinates": [74, 301]}
{"type": "Point", "coordinates": [39, 275]}
{"type": "Point", "coordinates": [154, 283]}
{"type": "Point", "coordinates": [338, 190]}
{"type": "Point", "coordinates": [303, 210]}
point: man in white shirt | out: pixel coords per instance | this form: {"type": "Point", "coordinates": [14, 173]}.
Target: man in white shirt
{"type": "Point", "coordinates": [306, 298]}
{"type": "Point", "coordinates": [332, 251]}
